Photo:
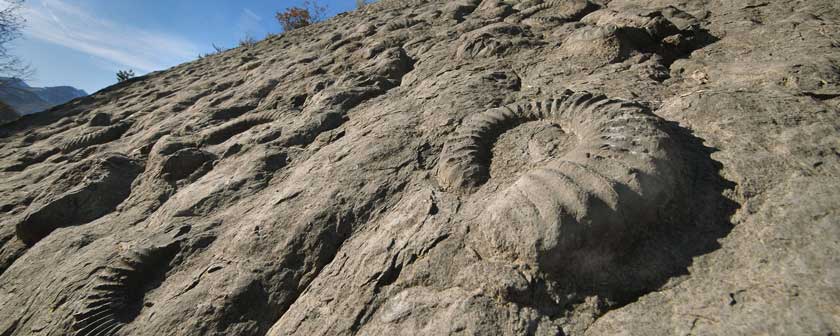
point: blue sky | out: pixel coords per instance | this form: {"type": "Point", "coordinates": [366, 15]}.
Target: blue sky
{"type": "Point", "coordinates": [83, 43]}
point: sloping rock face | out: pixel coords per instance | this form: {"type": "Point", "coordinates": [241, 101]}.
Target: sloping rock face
{"type": "Point", "coordinates": [447, 168]}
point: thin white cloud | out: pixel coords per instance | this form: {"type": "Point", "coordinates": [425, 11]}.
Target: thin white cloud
{"type": "Point", "coordinates": [58, 22]}
{"type": "Point", "coordinates": [250, 23]}
{"type": "Point", "coordinates": [253, 15]}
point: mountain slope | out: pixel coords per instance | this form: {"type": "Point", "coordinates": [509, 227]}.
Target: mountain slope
{"type": "Point", "coordinates": [421, 167]}
{"type": "Point", "coordinates": [27, 100]}
{"type": "Point", "coordinates": [7, 113]}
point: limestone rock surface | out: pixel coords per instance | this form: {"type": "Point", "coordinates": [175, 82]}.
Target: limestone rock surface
{"type": "Point", "coordinates": [467, 167]}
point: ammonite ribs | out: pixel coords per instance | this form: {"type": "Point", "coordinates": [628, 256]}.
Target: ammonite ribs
{"type": "Point", "coordinates": [117, 294]}
{"type": "Point", "coordinates": [98, 137]}
{"type": "Point", "coordinates": [621, 171]}
{"type": "Point", "coordinates": [391, 5]}
{"type": "Point", "coordinates": [575, 9]}
{"type": "Point", "coordinates": [225, 131]}
{"type": "Point", "coordinates": [400, 24]}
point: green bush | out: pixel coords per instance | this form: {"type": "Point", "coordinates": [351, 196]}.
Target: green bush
{"type": "Point", "coordinates": [124, 75]}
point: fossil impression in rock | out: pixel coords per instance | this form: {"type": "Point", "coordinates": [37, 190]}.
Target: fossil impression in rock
{"type": "Point", "coordinates": [391, 5]}
{"type": "Point", "coordinates": [116, 296]}
{"type": "Point", "coordinates": [561, 11]}
{"type": "Point", "coordinates": [227, 130]}
{"type": "Point", "coordinates": [105, 182]}
{"type": "Point", "coordinates": [491, 41]}
{"type": "Point", "coordinates": [400, 24]}
{"type": "Point", "coordinates": [97, 137]}
{"type": "Point", "coordinates": [588, 201]}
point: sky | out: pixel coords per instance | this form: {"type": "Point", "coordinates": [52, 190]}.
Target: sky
{"type": "Point", "coordinates": [83, 43]}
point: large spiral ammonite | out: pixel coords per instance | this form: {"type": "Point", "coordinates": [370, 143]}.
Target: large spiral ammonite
{"type": "Point", "coordinates": [615, 180]}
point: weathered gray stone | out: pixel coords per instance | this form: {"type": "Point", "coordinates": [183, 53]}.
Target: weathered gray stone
{"type": "Point", "coordinates": [421, 167]}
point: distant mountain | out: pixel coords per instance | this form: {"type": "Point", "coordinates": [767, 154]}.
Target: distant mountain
{"type": "Point", "coordinates": [7, 113]}
{"type": "Point", "coordinates": [27, 100]}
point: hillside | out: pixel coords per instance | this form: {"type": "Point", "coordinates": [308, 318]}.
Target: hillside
{"type": "Point", "coordinates": [7, 113]}
{"type": "Point", "coordinates": [624, 167]}
{"type": "Point", "coordinates": [27, 100]}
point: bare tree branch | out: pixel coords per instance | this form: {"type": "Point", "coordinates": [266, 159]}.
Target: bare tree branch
{"type": "Point", "coordinates": [11, 22]}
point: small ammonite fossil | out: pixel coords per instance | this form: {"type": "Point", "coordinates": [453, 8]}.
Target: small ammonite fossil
{"type": "Point", "coordinates": [561, 11]}
{"type": "Point", "coordinates": [117, 293]}
{"type": "Point", "coordinates": [98, 137]}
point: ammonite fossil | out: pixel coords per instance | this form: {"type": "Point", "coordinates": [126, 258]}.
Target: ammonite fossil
{"type": "Point", "coordinates": [229, 129]}
{"type": "Point", "coordinates": [98, 137]}
{"type": "Point", "coordinates": [116, 297]}
{"type": "Point", "coordinates": [561, 11]}
{"type": "Point", "coordinates": [590, 199]}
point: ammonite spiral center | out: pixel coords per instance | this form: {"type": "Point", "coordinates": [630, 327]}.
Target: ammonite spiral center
{"type": "Point", "coordinates": [526, 147]}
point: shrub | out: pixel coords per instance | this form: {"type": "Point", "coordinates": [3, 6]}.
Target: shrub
{"type": "Point", "coordinates": [124, 75]}
{"type": "Point", "coordinates": [294, 18]}
{"type": "Point", "coordinates": [216, 50]}
{"type": "Point", "coordinates": [247, 41]}
{"type": "Point", "coordinates": [297, 17]}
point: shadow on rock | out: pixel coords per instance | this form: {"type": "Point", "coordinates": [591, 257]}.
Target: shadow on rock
{"type": "Point", "coordinates": [691, 226]}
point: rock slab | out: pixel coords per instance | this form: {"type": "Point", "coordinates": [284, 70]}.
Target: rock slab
{"type": "Point", "coordinates": [419, 167]}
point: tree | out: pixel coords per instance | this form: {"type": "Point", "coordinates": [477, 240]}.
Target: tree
{"type": "Point", "coordinates": [294, 18]}
{"type": "Point", "coordinates": [11, 23]}
{"type": "Point", "coordinates": [124, 75]}
{"type": "Point", "coordinates": [297, 17]}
